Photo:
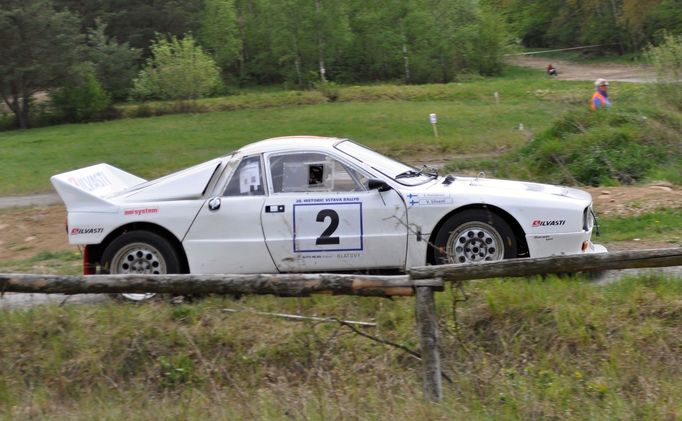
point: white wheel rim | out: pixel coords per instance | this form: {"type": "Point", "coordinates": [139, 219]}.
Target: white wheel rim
{"type": "Point", "coordinates": [474, 242]}
{"type": "Point", "coordinates": [138, 258]}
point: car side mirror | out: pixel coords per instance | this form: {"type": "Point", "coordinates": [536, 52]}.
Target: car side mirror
{"type": "Point", "coordinates": [375, 184]}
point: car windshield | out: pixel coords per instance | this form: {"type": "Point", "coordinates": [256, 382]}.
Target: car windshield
{"type": "Point", "coordinates": [395, 170]}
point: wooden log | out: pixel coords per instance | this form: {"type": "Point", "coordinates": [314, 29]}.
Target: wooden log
{"type": "Point", "coordinates": [553, 264]}
{"type": "Point", "coordinates": [287, 285]}
{"type": "Point", "coordinates": [427, 329]}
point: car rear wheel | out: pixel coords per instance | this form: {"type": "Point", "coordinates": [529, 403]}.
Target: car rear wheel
{"type": "Point", "coordinates": [140, 252]}
{"type": "Point", "coordinates": [473, 236]}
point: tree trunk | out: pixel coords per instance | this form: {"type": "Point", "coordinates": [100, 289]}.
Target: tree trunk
{"type": "Point", "coordinates": [614, 11]}
{"type": "Point", "coordinates": [282, 285]}
{"type": "Point", "coordinates": [299, 77]}
{"type": "Point", "coordinates": [320, 41]}
{"type": "Point", "coordinates": [242, 45]}
{"type": "Point", "coordinates": [297, 63]}
{"type": "Point", "coordinates": [552, 264]}
{"type": "Point", "coordinates": [24, 111]}
{"type": "Point", "coordinates": [406, 57]}
{"type": "Point", "coordinates": [22, 101]}
{"type": "Point", "coordinates": [11, 104]}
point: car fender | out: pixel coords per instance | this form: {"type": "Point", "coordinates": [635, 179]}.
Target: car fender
{"type": "Point", "coordinates": [175, 217]}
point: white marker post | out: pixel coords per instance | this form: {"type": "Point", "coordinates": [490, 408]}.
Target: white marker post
{"type": "Point", "coordinates": [434, 119]}
{"type": "Point", "coordinates": [497, 97]}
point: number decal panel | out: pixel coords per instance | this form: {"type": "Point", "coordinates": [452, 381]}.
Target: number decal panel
{"type": "Point", "coordinates": [327, 227]}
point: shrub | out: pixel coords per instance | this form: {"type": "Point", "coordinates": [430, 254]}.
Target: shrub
{"type": "Point", "coordinates": [667, 59]}
{"type": "Point", "coordinates": [82, 98]}
{"type": "Point", "coordinates": [178, 69]}
{"type": "Point", "coordinates": [328, 89]}
{"type": "Point", "coordinates": [583, 147]}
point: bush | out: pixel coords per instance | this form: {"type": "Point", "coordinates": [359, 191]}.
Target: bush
{"type": "Point", "coordinates": [178, 69]}
{"type": "Point", "coordinates": [667, 59]}
{"type": "Point", "coordinates": [583, 147]}
{"type": "Point", "coordinates": [82, 98]}
{"type": "Point", "coordinates": [328, 89]}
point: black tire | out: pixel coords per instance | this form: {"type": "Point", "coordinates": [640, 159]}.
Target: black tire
{"type": "Point", "coordinates": [140, 252]}
{"type": "Point", "coordinates": [473, 236]}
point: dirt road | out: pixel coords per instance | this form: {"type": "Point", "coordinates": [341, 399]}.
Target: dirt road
{"type": "Point", "coordinates": [578, 71]}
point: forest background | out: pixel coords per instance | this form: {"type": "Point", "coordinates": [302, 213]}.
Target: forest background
{"type": "Point", "coordinates": [87, 55]}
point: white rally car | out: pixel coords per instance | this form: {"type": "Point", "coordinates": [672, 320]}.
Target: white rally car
{"type": "Point", "coordinates": [313, 204]}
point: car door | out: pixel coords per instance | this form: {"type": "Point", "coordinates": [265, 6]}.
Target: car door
{"type": "Point", "coordinates": [321, 216]}
{"type": "Point", "coordinates": [226, 236]}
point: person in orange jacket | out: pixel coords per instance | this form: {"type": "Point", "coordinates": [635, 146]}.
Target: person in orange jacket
{"type": "Point", "coordinates": [600, 99]}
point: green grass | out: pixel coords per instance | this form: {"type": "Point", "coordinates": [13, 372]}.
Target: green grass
{"type": "Point", "coordinates": [62, 262]}
{"type": "Point", "coordinates": [522, 349]}
{"type": "Point", "coordinates": [393, 119]}
{"type": "Point", "coordinates": [661, 225]}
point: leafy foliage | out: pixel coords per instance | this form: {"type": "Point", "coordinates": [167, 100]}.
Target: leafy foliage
{"type": "Point", "coordinates": [219, 32]}
{"type": "Point", "coordinates": [82, 98]}
{"type": "Point", "coordinates": [621, 24]}
{"type": "Point", "coordinates": [30, 63]}
{"type": "Point", "coordinates": [667, 59]}
{"type": "Point", "coordinates": [137, 21]}
{"type": "Point", "coordinates": [178, 69]}
{"type": "Point", "coordinates": [116, 64]}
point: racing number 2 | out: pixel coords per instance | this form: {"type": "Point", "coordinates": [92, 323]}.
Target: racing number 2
{"type": "Point", "coordinates": [326, 238]}
{"type": "Point", "coordinates": [323, 227]}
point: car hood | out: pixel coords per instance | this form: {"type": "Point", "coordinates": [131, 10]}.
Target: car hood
{"type": "Point", "coordinates": [519, 189]}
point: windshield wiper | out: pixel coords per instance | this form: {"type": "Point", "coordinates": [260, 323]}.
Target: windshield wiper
{"type": "Point", "coordinates": [408, 173]}
{"type": "Point", "coordinates": [431, 172]}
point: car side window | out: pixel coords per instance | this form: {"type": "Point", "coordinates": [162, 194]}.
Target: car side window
{"type": "Point", "coordinates": [313, 172]}
{"type": "Point", "coordinates": [247, 179]}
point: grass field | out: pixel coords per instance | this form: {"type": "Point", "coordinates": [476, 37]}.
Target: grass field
{"type": "Point", "coordinates": [393, 119]}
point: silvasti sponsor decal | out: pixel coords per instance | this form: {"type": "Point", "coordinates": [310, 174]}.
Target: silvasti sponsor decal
{"type": "Point", "coordinates": [91, 182]}
{"type": "Point", "coordinates": [83, 231]}
{"type": "Point", "coordinates": [141, 211]}
{"type": "Point", "coordinates": [548, 222]}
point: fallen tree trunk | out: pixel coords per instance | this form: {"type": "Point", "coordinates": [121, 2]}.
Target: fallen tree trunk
{"type": "Point", "coordinates": [293, 285]}
{"type": "Point", "coordinates": [553, 264]}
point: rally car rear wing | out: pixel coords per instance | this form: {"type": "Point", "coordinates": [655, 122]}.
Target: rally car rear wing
{"type": "Point", "coordinates": [87, 189]}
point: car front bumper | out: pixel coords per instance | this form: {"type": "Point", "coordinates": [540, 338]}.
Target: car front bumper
{"type": "Point", "coordinates": [544, 245]}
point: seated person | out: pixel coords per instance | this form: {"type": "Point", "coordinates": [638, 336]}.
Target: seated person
{"type": "Point", "coordinates": [551, 70]}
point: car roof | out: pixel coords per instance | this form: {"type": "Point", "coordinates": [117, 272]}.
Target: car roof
{"type": "Point", "coordinates": [290, 143]}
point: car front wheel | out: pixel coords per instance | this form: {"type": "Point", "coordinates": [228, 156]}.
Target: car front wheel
{"type": "Point", "coordinates": [137, 253]}
{"type": "Point", "coordinates": [474, 235]}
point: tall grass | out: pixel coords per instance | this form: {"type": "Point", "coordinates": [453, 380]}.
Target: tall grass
{"type": "Point", "coordinates": [667, 60]}
{"type": "Point", "coordinates": [534, 349]}
{"type": "Point", "coordinates": [623, 145]}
